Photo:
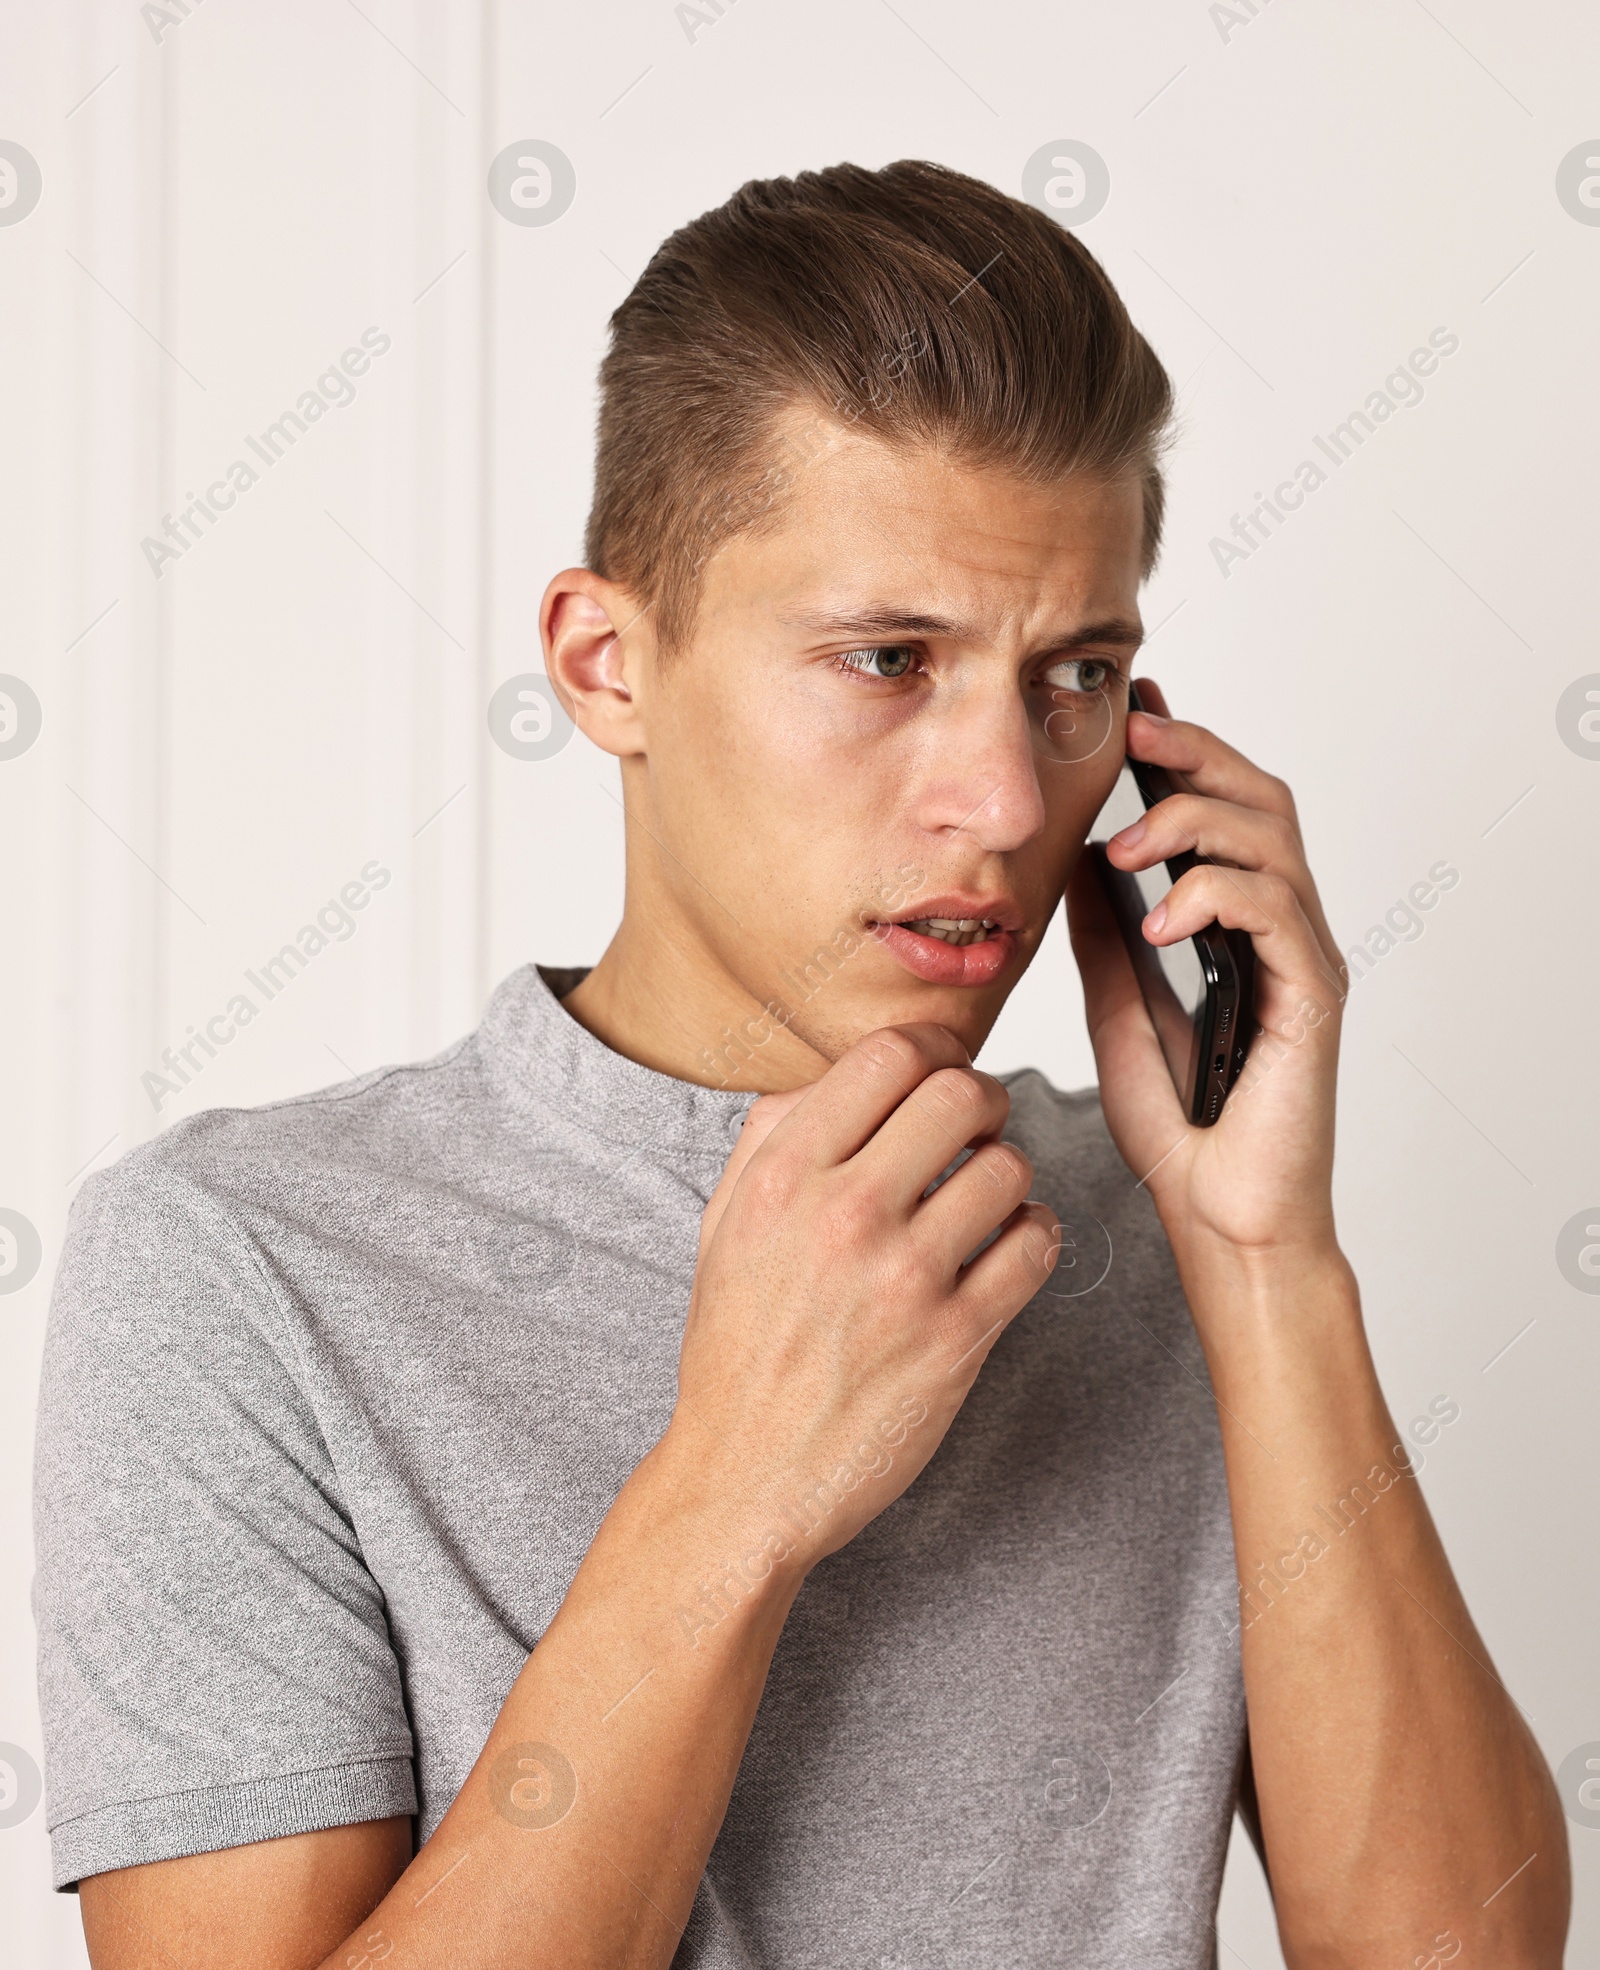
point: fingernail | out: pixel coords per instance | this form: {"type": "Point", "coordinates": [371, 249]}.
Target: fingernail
{"type": "Point", "coordinates": [1131, 835]}
{"type": "Point", "coordinates": [1156, 919]}
{"type": "Point", "coordinates": [1155, 718]}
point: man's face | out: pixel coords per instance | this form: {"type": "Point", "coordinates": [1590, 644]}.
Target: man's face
{"type": "Point", "coordinates": [899, 712]}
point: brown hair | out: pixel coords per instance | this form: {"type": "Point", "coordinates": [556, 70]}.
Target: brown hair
{"type": "Point", "coordinates": [918, 303]}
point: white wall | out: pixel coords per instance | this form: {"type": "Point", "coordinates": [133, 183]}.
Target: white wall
{"type": "Point", "coordinates": [1310, 193]}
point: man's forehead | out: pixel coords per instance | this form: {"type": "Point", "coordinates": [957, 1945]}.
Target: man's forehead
{"type": "Point", "coordinates": [879, 539]}
{"type": "Point", "coordinates": [852, 575]}
{"type": "Point", "coordinates": [918, 517]}
{"type": "Point", "coordinates": [929, 483]}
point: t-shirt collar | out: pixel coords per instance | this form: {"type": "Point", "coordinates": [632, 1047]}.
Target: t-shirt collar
{"type": "Point", "coordinates": [540, 1055]}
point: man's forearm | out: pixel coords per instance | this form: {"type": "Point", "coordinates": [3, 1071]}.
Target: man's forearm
{"type": "Point", "coordinates": [1402, 1796]}
{"type": "Point", "coordinates": [581, 1834]}
{"type": "Point", "coordinates": [835, 1328]}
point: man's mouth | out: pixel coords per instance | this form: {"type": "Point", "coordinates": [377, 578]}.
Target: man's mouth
{"type": "Point", "coordinates": [953, 930]}
{"type": "Point", "coordinates": [952, 945]}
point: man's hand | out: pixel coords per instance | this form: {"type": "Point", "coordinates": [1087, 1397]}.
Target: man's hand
{"type": "Point", "coordinates": [1408, 1798]}
{"type": "Point", "coordinates": [836, 1324]}
{"type": "Point", "coordinates": [1261, 1178]}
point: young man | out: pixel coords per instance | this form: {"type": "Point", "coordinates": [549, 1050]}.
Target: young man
{"type": "Point", "coordinates": [540, 1508]}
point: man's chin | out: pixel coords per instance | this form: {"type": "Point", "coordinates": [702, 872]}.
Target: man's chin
{"type": "Point", "coordinates": [895, 996]}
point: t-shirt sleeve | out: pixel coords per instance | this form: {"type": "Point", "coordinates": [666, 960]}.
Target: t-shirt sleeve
{"type": "Point", "coordinates": [215, 1665]}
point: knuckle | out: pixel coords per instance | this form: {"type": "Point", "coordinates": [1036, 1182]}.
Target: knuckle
{"type": "Point", "coordinates": [767, 1110]}
{"type": "Point", "coordinates": [1037, 1249]}
{"type": "Point", "coordinates": [892, 1051]}
{"type": "Point", "coordinates": [956, 1091]}
{"type": "Point", "coordinates": [769, 1184]}
{"type": "Point", "coordinates": [1181, 812]}
{"type": "Point", "coordinates": [906, 1271]}
{"type": "Point", "coordinates": [1285, 835]}
{"type": "Point", "coordinates": [1040, 1241]}
{"type": "Point", "coordinates": [1009, 1166]}
{"type": "Point", "coordinates": [1024, 1260]}
{"type": "Point", "coordinates": [999, 1095]}
{"type": "Point", "coordinates": [854, 1215]}
{"type": "Point", "coordinates": [1280, 893]}
{"type": "Point", "coordinates": [908, 1054]}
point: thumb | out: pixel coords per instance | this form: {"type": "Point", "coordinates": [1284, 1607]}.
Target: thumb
{"type": "Point", "coordinates": [759, 1122]}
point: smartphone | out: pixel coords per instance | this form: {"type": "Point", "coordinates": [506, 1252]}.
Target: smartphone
{"type": "Point", "coordinates": [1200, 992]}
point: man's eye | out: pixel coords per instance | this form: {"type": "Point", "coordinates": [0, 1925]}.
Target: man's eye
{"type": "Point", "coordinates": [882, 660]}
{"type": "Point", "coordinates": [1088, 675]}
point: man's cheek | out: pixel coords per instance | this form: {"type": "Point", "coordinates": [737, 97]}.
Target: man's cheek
{"type": "Point", "coordinates": [1074, 795]}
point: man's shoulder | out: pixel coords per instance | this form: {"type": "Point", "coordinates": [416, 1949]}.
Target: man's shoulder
{"type": "Point", "coordinates": [403, 1116]}
{"type": "Point", "coordinates": [366, 1112]}
{"type": "Point", "coordinates": [197, 1245]}
{"type": "Point", "coordinates": [208, 1177]}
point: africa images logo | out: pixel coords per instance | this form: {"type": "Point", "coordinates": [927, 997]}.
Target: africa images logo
{"type": "Point", "coordinates": [20, 182]}
{"type": "Point", "coordinates": [532, 183]}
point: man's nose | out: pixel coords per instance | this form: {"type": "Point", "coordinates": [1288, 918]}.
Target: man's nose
{"type": "Point", "coordinates": [981, 773]}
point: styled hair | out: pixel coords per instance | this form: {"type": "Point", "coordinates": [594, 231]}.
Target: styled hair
{"type": "Point", "coordinates": [914, 303]}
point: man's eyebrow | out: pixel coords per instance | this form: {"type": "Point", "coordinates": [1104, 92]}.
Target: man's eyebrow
{"type": "Point", "coordinates": [883, 621]}
{"type": "Point", "coordinates": [876, 619]}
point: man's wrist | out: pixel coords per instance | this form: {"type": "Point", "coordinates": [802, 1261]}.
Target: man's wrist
{"type": "Point", "coordinates": [728, 1562]}
{"type": "Point", "coordinates": [1289, 1360]}
{"type": "Point", "coordinates": [1258, 1295]}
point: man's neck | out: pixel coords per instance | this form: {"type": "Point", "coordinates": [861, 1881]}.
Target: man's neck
{"type": "Point", "coordinates": [660, 998]}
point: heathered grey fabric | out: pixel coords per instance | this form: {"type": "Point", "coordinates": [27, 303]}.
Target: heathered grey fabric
{"type": "Point", "coordinates": [337, 1392]}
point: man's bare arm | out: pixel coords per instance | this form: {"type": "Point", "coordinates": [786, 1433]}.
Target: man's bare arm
{"type": "Point", "coordinates": [614, 1705]}
{"type": "Point", "coordinates": [1404, 1804]}
{"type": "Point", "coordinates": [1402, 1798]}
{"type": "Point", "coordinates": [833, 1334]}
{"type": "Point", "coordinates": [295, 1899]}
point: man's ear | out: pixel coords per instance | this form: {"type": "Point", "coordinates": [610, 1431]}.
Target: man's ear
{"type": "Point", "coordinates": [597, 643]}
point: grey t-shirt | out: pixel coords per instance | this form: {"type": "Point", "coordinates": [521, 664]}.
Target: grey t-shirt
{"type": "Point", "coordinates": [337, 1392]}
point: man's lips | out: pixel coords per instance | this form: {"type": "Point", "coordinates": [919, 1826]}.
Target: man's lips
{"type": "Point", "coordinates": [948, 964]}
{"type": "Point", "coordinates": [980, 937]}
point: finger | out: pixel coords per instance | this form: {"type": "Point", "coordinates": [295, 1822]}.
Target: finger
{"type": "Point", "coordinates": [1265, 907]}
{"type": "Point", "coordinates": [999, 1283]}
{"type": "Point", "coordinates": [1245, 837]}
{"type": "Point", "coordinates": [760, 1120]}
{"type": "Point", "coordinates": [1127, 1050]}
{"type": "Point", "coordinates": [1153, 698]}
{"type": "Point", "coordinates": [1208, 765]}
{"type": "Point", "coordinates": [971, 1204]}
{"type": "Point", "coordinates": [1231, 778]}
{"type": "Point", "coordinates": [1108, 975]}
{"type": "Point", "coordinates": [1220, 830]}
{"type": "Point", "coordinates": [863, 1088]}
{"type": "Point", "coordinates": [948, 1112]}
